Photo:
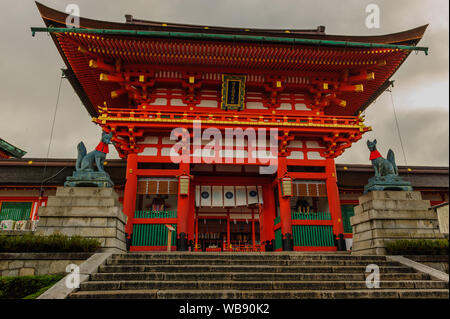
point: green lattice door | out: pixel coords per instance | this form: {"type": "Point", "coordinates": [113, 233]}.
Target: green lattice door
{"type": "Point", "coordinates": [15, 210]}
{"type": "Point", "coordinates": [149, 235]}
{"type": "Point", "coordinates": [317, 230]}
{"type": "Point", "coordinates": [347, 212]}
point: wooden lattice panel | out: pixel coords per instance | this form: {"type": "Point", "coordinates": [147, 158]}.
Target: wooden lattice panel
{"type": "Point", "coordinates": [157, 187]}
{"type": "Point", "coordinates": [309, 190]}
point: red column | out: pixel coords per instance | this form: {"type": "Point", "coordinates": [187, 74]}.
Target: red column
{"type": "Point", "coordinates": [228, 231]}
{"type": "Point", "coordinates": [253, 234]}
{"type": "Point", "coordinates": [129, 197]}
{"type": "Point", "coordinates": [333, 198]}
{"type": "Point", "coordinates": [196, 233]}
{"type": "Point", "coordinates": [191, 215]}
{"type": "Point", "coordinates": [183, 214]}
{"type": "Point", "coordinates": [267, 216]}
{"type": "Point", "coordinates": [285, 209]}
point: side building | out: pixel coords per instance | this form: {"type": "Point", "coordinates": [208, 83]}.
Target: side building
{"type": "Point", "coordinates": [23, 185]}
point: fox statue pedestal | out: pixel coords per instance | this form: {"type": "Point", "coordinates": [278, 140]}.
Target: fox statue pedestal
{"type": "Point", "coordinates": [86, 178]}
{"type": "Point", "coordinates": [387, 182]}
{"type": "Point", "coordinates": [93, 212]}
{"type": "Point", "coordinates": [383, 216]}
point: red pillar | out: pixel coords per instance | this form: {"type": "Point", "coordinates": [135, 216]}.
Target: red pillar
{"type": "Point", "coordinates": [228, 231]}
{"type": "Point", "coordinates": [333, 201]}
{"type": "Point", "coordinates": [253, 230]}
{"type": "Point", "coordinates": [191, 215]}
{"type": "Point", "coordinates": [183, 214]}
{"type": "Point", "coordinates": [285, 209]}
{"type": "Point", "coordinates": [196, 234]}
{"type": "Point", "coordinates": [267, 217]}
{"type": "Point", "coordinates": [129, 197]}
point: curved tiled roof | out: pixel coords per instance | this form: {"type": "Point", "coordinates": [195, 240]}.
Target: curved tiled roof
{"type": "Point", "coordinates": [159, 38]}
{"type": "Point", "coordinates": [57, 18]}
{"type": "Point", "coordinates": [10, 150]}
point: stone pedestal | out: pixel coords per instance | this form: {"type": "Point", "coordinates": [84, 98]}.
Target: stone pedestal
{"type": "Point", "coordinates": [93, 212]}
{"type": "Point", "coordinates": [442, 213]}
{"type": "Point", "coordinates": [88, 179]}
{"type": "Point", "coordinates": [383, 216]}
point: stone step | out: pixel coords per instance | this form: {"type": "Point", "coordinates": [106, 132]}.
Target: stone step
{"type": "Point", "coordinates": [263, 294]}
{"type": "Point", "coordinates": [271, 275]}
{"type": "Point", "coordinates": [127, 261]}
{"type": "Point", "coordinates": [256, 285]}
{"type": "Point", "coordinates": [247, 268]}
{"type": "Point", "coordinates": [251, 276]}
{"type": "Point", "coordinates": [244, 256]}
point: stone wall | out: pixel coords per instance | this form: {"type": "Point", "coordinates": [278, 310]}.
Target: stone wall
{"type": "Point", "coordinates": [90, 212]}
{"type": "Point", "coordinates": [26, 264]}
{"type": "Point", "coordinates": [383, 216]}
{"type": "Point", "coordinates": [442, 212]}
{"type": "Point", "coordinates": [15, 232]}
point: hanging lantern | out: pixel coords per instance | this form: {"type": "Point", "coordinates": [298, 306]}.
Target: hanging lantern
{"type": "Point", "coordinates": [183, 185]}
{"type": "Point", "coordinates": [286, 186]}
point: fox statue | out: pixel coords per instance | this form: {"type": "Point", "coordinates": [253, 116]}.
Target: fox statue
{"type": "Point", "coordinates": [85, 161]}
{"type": "Point", "coordinates": [382, 167]}
{"type": "Point", "coordinates": [386, 172]}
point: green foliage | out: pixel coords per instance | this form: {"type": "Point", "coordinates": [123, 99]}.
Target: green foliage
{"type": "Point", "coordinates": [418, 247]}
{"type": "Point", "coordinates": [22, 286]}
{"type": "Point", "coordinates": [39, 292]}
{"type": "Point", "coordinates": [53, 243]}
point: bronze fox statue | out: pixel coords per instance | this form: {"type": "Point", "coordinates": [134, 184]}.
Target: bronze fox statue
{"type": "Point", "coordinates": [382, 166]}
{"type": "Point", "coordinates": [85, 161]}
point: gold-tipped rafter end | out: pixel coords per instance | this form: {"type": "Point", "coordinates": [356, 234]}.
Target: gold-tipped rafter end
{"type": "Point", "coordinates": [82, 49]}
{"type": "Point", "coordinates": [93, 64]}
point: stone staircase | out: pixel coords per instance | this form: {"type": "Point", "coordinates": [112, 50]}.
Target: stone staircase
{"type": "Point", "coordinates": [277, 275]}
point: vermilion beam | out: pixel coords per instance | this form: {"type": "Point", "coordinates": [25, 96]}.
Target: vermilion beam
{"type": "Point", "coordinates": [129, 203]}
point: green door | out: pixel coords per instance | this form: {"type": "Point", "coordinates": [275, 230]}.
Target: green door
{"type": "Point", "coordinates": [347, 212]}
{"type": "Point", "coordinates": [15, 210]}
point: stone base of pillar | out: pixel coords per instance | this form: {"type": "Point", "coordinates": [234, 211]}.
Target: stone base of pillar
{"type": "Point", "coordinates": [288, 242]}
{"type": "Point", "coordinates": [384, 216]}
{"type": "Point", "coordinates": [128, 241]}
{"type": "Point", "coordinates": [182, 242]}
{"type": "Point", "coordinates": [92, 212]}
{"type": "Point", "coordinates": [268, 246]}
{"type": "Point", "coordinates": [339, 241]}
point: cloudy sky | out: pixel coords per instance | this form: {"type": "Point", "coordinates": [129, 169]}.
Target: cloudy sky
{"type": "Point", "coordinates": [30, 69]}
